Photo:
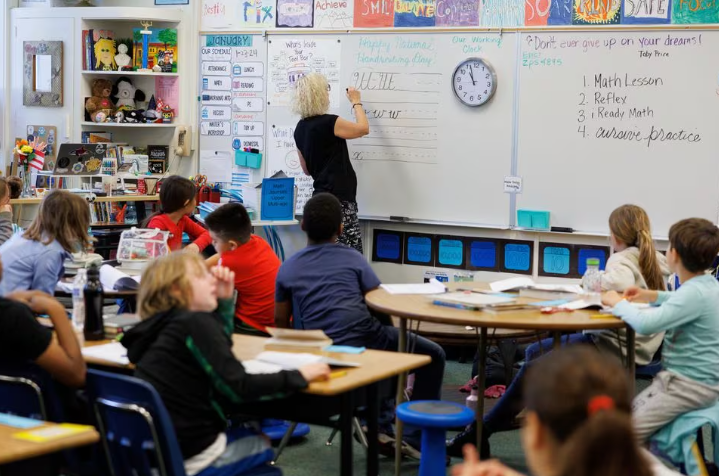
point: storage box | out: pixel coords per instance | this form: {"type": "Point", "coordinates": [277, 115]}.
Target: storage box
{"type": "Point", "coordinates": [248, 159]}
{"type": "Point", "coordinates": [534, 219]}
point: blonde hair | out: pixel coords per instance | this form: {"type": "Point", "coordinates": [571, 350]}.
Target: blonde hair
{"type": "Point", "coordinates": [167, 283]}
{"type": "Point", "coordinates": [65, 217]}
{"type": "Point", "coordinates": [110, 45]}
{"type": "Point", "coordinates": [630, 225]}
{"type": "Point", "coordinates": [310, 96]}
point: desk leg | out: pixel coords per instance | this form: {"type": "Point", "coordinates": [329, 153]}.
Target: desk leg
{"type": "Point", "coordinates": [557, 339]}
{"type": "Point", "coordinates": [631, 350]}
{"type": "Point", "coordinates": [346, 415]}
{"type": "Point", "coordinates": [401, 383]}
{"type": "Point", "coordinates": [373, 404]}
{"type": "Point", "coordinates": [482, 371]}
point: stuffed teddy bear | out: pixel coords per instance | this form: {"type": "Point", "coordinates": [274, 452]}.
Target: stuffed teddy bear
{"type": "Point", "coordinates": [100, 100]}
{"type": "Point", "coordinates": [126, 93]}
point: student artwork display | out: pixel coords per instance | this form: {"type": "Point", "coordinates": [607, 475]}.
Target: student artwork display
{"type": "Point", "coordinates": [295, 13]}
{"type": "Point", "coordinates": [345, 14]}
{"type": "Point", "coordinates": [162, 54]}
{"type": "Point", "coordinates": [292, 58]}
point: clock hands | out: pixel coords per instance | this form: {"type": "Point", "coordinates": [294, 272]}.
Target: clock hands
{"type": "Point", "coordinates": [471, 75]}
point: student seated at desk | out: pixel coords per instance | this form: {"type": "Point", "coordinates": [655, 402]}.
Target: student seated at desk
{"type": "Point", "coordinates": [178, 199]}
{"type": "Point", "coordinates": [22, 338]}
{"type": "Point", "coordinates": [324, 286]}
{"type": "Point", "coordinates": [183, 347]}
{"type": "Point", "coordinates": [578, 422]}
{"type": "Point", "coordinates": [690, 316]}
{"type": "Point", "coordinates": [254, 263]}
{"type": "Point", "coordinates": [34, 260]}
{"type": "Point", "coordinates": [635, 263]}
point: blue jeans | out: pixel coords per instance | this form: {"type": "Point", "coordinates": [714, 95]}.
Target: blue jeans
{"type": "Point", "coordinates": [502, 415]}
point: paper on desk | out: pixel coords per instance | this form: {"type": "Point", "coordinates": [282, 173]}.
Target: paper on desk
{"type": "Point", "coordinates": [113, 352]}
{"type": "Point", "coordinates": [216, 165]}
{"type": "Point", "coordinates": [293, 361]}
{"type": "Point", "coordinates": [511, 283]}
{"type": "Point", "coordinates": [432, 287]}
{"type": "Point", "coordinates": [111, 276]}
{"type": "Point", "coordinates": [52, 432]}
{"type": "Point", "coordinates": [18, 421]}
{"type": "Point", "coordinates": [256, 367]}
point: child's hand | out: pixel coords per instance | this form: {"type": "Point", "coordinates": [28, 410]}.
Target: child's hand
{"type": "Point", "coordinates": [473, 467]}
{"type": "Point", "coordinates": [225, 282]}
{"type": "Point", "coordinates": [611, 298]}
{"type": "Point", "coordinates": [315, 372]}
{"type": "Point", "coordinates": [191, 248]}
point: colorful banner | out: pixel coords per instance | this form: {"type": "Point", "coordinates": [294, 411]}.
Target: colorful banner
{"type": "Point", "coordinates": [373, 13]}
{"type": "Point", "coordinates": [414, 13]}
{"type": "Point", "coordinates": [457, 13]}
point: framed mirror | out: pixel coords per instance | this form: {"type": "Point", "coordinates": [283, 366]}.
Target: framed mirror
{"type": "Point", "coordinates": [42, 73]}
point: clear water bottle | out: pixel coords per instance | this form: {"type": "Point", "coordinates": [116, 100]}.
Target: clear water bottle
{"type": "Point", "coordinates": [592, 282]}
{"type": "Point", "coordinates": [471, 400]}
{"type": "Point", "coordinates": [78, 298]}
{"type": "Point", "coordinates": [131, 214]}
{"type": "Point", "coordinates": [94, 325]}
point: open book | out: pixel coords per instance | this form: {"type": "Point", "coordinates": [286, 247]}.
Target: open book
{"type": "Point", "coordinates": [114, 279]}
{"type": "Point", "coordinates": [529, 289]}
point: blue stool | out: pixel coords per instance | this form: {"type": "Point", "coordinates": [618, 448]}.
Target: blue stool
{"type": "Point", "coordinates": [434, 417]}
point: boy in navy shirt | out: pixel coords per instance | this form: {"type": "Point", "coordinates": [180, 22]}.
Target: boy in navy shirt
{"type": "Point", "coordinates": [324, 285]}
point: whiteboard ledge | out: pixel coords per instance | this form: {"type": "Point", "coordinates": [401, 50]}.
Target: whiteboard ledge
{"type": "Point", "coordinates": [412, 221]}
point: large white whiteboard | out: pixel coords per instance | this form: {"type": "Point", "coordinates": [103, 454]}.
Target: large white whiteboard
{"type": "Point", "coordinates": [428, 157]}
{"type": "Point", "coordinates": [593, 110]}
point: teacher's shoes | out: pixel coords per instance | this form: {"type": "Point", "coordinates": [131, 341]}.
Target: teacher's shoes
{"type": "Point", "coordinates": [468, 437]}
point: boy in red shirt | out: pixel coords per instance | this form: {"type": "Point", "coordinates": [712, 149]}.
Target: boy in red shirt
{"type": "Point", "coordinates": [254, 263]}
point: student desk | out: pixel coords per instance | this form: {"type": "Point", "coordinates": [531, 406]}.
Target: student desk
{"type": "Point", "coordinates": [322, 400]}
{"type": "Point", "coordinates": [420, 308]}
{"type": "Point", "coordinates": [12, 449]}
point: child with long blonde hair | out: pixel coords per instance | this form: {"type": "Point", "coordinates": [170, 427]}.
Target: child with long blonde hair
{"type": "Point", "coordinates": [635, 262]}
{"type": "Point", "coordinates": [5, 211]}
{"type": "Point", "coordinates": [34, 260]}
{"type": "Point", "coordinates": [183, 347]}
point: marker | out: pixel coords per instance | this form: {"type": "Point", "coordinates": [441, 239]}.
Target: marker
{"type": "Point", "coordinates": [463, 307]}
{"type": "Point", "coordinates": [339, 373]}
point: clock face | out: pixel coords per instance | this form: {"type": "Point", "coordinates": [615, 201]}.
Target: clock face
{"type": "Point", "coordinates": [474, 82]}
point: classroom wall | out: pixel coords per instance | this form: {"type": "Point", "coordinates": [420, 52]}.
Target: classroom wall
{"type": "Point", "coordinates": [292, 237]}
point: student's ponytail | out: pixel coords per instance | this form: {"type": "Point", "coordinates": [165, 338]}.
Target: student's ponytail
{"type": "Point", "coordinates": [603, 445]}
{"type": "Point", "coordinates": [630, 225]}
{"type": "Point", "coordinates": [648, 262]}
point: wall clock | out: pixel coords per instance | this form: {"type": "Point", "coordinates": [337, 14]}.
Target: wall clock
{"type": "Point", "coordinates": [474, 82]}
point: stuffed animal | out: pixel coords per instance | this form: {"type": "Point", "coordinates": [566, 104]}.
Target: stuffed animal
{"type": "Point", "coordinates": [126, 93]}
{"type": "Point", "coordinates": [100, 100]}
{"type": "Point", "coordinates": [135, 116]}
{"type": "Point", "coordinates": [105, 53]}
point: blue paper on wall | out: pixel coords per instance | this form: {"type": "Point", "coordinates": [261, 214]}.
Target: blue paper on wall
{"type": "Point", "coordinates": [278, 199]}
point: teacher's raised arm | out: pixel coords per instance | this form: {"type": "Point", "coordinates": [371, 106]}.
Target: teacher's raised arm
{"type": "Point", "coordinates": [321, 141]}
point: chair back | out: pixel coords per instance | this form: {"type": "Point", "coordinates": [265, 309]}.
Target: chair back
{"type": "Point", "coordinates": [21, 387]}
{"type": "Point", "coordinates": [138, 435]}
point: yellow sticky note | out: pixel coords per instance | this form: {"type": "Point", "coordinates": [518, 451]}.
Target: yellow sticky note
{"type": "Point", "coordinates": [51, 432]}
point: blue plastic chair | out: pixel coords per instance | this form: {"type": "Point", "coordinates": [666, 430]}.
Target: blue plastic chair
{"type": "Point", "coordinates": [434, 417]}
{"type": "Point", "coordinates": [138, 435]}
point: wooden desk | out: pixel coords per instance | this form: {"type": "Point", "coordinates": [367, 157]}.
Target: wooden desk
{"type": "Point", "coordinates": [420, 308]}
{"type": "Point", "coordinates": [342, 395]}
{"type": "Point", "coordinates": [12, 449]}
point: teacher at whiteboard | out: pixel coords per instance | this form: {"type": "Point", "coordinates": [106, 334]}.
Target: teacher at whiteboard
{"type": "Point", "coordinates": [321, 141]}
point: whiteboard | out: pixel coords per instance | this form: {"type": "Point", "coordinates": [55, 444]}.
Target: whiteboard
{"type": "Point", "coordinates": [607, 118]}
{"type": "Point", "coordinates": [427, 157]}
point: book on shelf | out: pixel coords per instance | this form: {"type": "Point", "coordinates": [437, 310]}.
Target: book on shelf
{"type": "Point", "coordinates": [96, 137]}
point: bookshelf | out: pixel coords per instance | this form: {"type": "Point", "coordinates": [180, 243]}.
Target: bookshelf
{"type": "Point", "coordinates": [124, 23]}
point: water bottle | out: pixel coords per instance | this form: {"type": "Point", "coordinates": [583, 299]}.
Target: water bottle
{"type": "Point", "coordinates": [94, 326]}
{"type": "Point", "coordinates": [131, 214]}
{"type": "Point", "coordinates": [78, 299]}
{"type": "Point", "coordinates": [592, 282]}
{"type": "Point", "coordinates": [471, 401]}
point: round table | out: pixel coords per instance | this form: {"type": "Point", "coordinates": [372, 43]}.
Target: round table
{"type": "Point", "coordinates": [414, 307]}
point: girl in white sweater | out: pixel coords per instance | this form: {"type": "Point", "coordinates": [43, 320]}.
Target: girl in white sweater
{"type": "Point", "coordinates": [634, 263]}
